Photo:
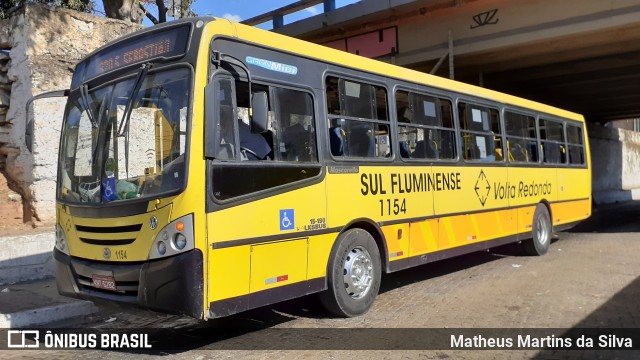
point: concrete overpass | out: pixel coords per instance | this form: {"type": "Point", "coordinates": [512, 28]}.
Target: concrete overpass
{"type": "Point", "coordinates": [575, 54]}
{"type": "Point", "coordinates": [579, 55]}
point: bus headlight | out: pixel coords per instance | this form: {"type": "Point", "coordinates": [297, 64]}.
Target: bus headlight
{"type": "Point", "coordinates": [162, 248]}
{"type": "Point", "coordinates": [180, 241]}
{"type": "Point", "coordinates": [173, 239]}
{"type": "Point", "coordinates": [61, 240]}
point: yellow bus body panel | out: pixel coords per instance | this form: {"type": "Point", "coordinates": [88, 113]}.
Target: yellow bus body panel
{"type": "Point", "coordinates": [277, 264]}
{"type": "Point", "coordinates": [137, 250]}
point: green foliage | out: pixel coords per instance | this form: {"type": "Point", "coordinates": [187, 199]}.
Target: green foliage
{"type": "Point", "coordinates": [78, 5]}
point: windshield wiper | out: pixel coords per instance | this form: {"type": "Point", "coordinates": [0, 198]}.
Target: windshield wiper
{"type": "Point", "coordinates": [86, 103]}
{"type": "Point", "coordinates": [123, 128]}
{"type": "Point", "coordinates": [101, 111]}
{"type": "Point", "coordinates": [124, 122]}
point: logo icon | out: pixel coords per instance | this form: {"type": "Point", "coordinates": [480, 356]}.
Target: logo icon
{"type": "Point", "coordinates": [20, 339]}
{"type": "Point", "coordinates": [485, 18]}
{"type": "Point", "coordinates": [287, 220]}
{"type": "Point", "coordinates": [153, 222]}
{"type": "Point", "coordinates": [482, 188]}
{"type": "Point", "coordinates": [272, 65]}
{"type": "Point", "coordinates": [106, 253]}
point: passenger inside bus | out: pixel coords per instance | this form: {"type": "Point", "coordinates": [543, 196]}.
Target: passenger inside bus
{"type": "Point", "coordinates": [296, 142]}
{"type": "Point", "coordinates": [253, 146]}
{"type": "Point", "coordinates": [424, 149]}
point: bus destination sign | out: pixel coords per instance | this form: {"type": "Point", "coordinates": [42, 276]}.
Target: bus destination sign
{"type": "Point", "coordinates": [149, 51]}
{"type": "Point", "coordinates": [169, 43]}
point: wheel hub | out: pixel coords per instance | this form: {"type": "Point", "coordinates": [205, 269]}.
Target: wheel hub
{"type": "Point", "coordinates": [542, 233]}
{"type": "Point", "coordinates": [358, 273]}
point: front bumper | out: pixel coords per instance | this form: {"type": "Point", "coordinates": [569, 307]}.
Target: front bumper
{"type": "Point", "coordinates": [170, 285]}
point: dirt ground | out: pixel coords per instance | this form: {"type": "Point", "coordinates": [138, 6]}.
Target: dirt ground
{"type": "Point", "coordinates": [11, 211]}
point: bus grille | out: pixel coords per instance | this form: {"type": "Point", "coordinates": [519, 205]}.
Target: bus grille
{"type": "Point", "coordinates": [94, 235]}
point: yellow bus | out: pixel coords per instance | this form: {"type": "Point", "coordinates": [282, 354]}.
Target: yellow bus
{"type": "Point", "coordinates": [207, 168]}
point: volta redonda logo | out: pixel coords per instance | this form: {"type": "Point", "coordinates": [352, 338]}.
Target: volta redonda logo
{"type": "Point", "coordinates": [508, 190]}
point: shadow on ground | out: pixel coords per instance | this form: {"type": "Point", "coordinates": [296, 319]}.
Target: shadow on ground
{"type": "Point", "coordinates": [619, 317]}
{"type": "Point", "coordinates": [614, 218]}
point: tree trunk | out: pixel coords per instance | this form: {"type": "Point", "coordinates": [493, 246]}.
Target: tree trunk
{"type": "Point", "coordinates": [123, 10]}
{"type": "Point", "coordinates": [162, 11]}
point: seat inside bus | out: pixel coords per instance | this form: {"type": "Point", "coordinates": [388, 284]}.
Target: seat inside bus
{"type": "Point", "coordinates": [337, 141]}
{"type": "Point", "coordinates": [361, 142]}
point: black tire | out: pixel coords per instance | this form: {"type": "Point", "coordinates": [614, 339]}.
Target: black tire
{"type": "Point", "coordinates": [355, 252]}
{"type": "Point", "coordinates": [541, 230]}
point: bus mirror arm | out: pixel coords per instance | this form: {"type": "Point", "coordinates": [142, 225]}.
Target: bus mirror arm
{"type": "Point", "coordinates": [218, 57]}
{"type": "Point", "coordinates": [258, 122]}
{"type": "Point", "coordinates": [28, 133]}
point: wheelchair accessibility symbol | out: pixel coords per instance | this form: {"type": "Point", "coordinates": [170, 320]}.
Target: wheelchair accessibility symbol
{"type": "Point", "coordinates": [287, 219]}
{"type": "Point", "coordinates": [109, 192]}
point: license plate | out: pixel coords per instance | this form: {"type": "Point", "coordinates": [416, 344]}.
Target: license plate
{"type": "Point", "coordinates": [104, 282]}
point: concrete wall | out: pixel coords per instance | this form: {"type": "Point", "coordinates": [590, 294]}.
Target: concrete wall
{"type": "Point", "coordinates": [26, 257]}
{"type": "Point", "coordinates": [616, 169]}
{"type": "Point", "coordinates": [45, 44]}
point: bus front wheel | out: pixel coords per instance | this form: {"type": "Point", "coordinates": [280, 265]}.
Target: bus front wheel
{"type": "Point", "coordinates": [353, 274]}
{"type": "Point", "coordinates": [541, 230]}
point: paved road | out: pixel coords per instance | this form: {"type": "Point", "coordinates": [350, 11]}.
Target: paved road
{"type": "Point", "coordinates": [589, 278]}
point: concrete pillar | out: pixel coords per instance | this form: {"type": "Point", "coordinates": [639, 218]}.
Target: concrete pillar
{"type": "Point", "coordinates": [615, 166]}
{"type": "Point", "coordinates": [329, 5]}
{"type": "Point", "coordinates": [278, 21]}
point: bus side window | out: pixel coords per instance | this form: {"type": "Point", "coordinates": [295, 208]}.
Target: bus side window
{"type": "Point", "coordinates": [295, 126]}
{"type": "Point", "coordinates": [480, 131]}
{"type": "Point", "coordinates": [575, 145]}
{"type": "Point", "coordinates": [358, 119]}
{"type": "Point", "coordinates": [253, 146]}
{"type": "Point", "coordinates": [553, 145]}
{"type": "Point", "coordinates": [425, 127]}
{"type": "Point", "coordinates": [288, 144]}
{"type": "Point", "coordinates": [522, 143]}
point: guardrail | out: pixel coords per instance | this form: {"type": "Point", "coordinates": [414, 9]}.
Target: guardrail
{"type": "Point", "coordinates": [277, 15]}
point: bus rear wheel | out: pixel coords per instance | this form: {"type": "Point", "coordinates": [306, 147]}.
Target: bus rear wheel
{"type": "Point", "coordinates": [353, 274]}
{"type": "Point", "coordinates": [541, 230]}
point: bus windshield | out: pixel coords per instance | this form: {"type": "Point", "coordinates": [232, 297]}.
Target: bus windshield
{"type": "Point", "coordinates": [104, 159]}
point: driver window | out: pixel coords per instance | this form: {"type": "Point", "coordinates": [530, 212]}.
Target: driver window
{"type": "Point", "coordinates": [253, 146]}
{"type": "Point", "coordinates": [285, 153]}
{"type": "Point", "coordinates": [290, 134]}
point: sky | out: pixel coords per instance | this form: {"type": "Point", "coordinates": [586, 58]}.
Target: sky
{"type": "Point", "coordinates": [238, 10]}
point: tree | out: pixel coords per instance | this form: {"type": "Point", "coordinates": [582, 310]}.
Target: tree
{"type": "Point", "coordinates": [131, 10]}
{"type": "Point", "coordinates": [78, 5]}
{"type": "Point", "coordinates": [123, 10]}
{"type": "Point", "coordinates": [135, 10]}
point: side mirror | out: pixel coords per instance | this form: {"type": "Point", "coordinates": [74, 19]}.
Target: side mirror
{"type": "Point", "coordinates": [28, 135]}
{"type": "Point", "coordinates": [259, 110]}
